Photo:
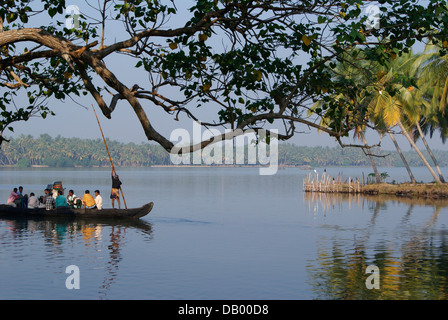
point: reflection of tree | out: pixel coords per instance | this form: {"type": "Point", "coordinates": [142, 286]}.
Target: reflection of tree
{"type": "Point", "coordinates": [316, 201]}
{"type": "Point", "coordinates": [338, 274]}
{"type": "Point", "coordinates": [416, 269]}
{"type": "Point", "coordinates": [341, 275]}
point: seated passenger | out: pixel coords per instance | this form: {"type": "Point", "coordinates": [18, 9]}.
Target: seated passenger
{"type": "Point", "coordinates": [33, 202]}
{"type": "Point", "coordinates": [71, 199]}
{"type": "Point", "coordinates": [48, 200]}
{"type": "Point", "coordinates": [88, 201]}
{"type": "Point", "coordinates": [12, 198]}
{"type": "Point", "coordinates": [22, 201]}
{"type": "Point", "coordinates": [98, 200]}
{"type": "Point", "coordinates": [77, 203]}
{"type": "Point", "coordinates": [61, 201]}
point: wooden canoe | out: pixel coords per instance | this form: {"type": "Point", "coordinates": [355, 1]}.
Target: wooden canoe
{"type": "Point", "coordinates": [134, 213]}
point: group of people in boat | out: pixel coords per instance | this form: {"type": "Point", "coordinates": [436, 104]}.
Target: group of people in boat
{"type": "Point", "coordinates": [54, 197]}
{"type": "Point", "coordinates": [20, 200]}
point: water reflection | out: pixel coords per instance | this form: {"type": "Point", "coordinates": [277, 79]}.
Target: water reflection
{"type": "Point", "coordinates": [63, 236]}
{"type": "Point", "coordinates": [321, 203]}
{"type": "Point", "coordinates": [408, 243]}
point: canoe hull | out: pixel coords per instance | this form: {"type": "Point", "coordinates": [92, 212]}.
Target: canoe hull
{"type": "Point", "coordinates": [133, 213]}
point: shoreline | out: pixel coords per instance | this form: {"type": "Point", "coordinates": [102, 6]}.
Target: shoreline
{"type": "Point", "coordinates": [401, 190]}
{"type": "Point", "coordinates": [419, 190]}
{"type": "Point", "coordinates": [302, 167]}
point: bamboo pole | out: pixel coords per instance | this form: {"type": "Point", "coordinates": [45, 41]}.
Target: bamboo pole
{"type": "Point", "coordinates": [110, 158]}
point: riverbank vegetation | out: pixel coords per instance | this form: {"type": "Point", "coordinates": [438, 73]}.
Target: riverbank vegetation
{"type": "Point", "coordinates": [408, 190]}
{"type": "Point", "coordinates": [26, 151]}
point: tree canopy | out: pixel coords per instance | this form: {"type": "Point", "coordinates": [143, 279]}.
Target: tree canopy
{"type": "Point", "coordinates": [256, 63]}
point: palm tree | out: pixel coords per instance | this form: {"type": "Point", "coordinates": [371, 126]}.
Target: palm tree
{"type": "Point", "coordinates": [392, 117]}
{"type": "Point", "coordinates": [422, 136]}
{"type": "Point", "coordinates": [404, 105]}
{"type": "Point", "coordinates": [432, 71]}
{"type": "Point", "coordinates": [405, 162]}
{"type": "Point", "coordinates": [358, 133]}
{"type": "Point", "coordinates": [383, 128]}
{"type": "Point", "coordinates": [401, 106]}
{"type": "Point", "coordinates": [351, 71]}
{"type": "Point", "coordinates": [391, 110]}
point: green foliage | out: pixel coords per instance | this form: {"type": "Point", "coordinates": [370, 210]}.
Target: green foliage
{"type": "Point", "coordinates": [69, 152]}
{"type": "Point", "coordinates": [254, 62]}
{"type": "Point", "coordinates": [383, 176]}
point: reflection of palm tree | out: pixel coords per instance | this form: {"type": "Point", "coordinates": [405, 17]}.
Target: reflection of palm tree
{"type": "Point", "coordinates": [419, 272]}
{"type": "Point", "coordinates": [419, 254]}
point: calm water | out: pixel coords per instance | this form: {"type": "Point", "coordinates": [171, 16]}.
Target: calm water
{"type": "Point", "coordinates": [226, 233]}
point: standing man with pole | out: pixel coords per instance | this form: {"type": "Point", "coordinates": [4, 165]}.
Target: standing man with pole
{"type": "Point", "coordinates": [115, 191]}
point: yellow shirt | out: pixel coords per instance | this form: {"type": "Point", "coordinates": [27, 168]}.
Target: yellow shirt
{"type": "Point", "coordinates": [88, 200]}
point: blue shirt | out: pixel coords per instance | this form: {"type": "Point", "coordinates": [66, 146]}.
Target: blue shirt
{"type": "Point", "coordinates": [61, 201]}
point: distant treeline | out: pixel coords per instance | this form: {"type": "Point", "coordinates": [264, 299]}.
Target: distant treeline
{"type": "Point", "coordinates": [26, 151]}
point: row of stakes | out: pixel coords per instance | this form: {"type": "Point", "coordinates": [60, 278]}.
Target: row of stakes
{"type": "Point", "coordinates": [326, 183]}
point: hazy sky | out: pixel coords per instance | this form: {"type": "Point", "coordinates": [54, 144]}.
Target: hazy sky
{"type": "Point", "coordinates": [73, 120]}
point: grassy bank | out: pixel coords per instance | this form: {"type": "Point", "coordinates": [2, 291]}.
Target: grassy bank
{"type": "Point", "coordinates": [425, 190]}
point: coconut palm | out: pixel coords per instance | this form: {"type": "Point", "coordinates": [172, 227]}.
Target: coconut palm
{"type": "Point", "coordinates": [383, 128]}
{"type": "Point", "coordinates": [431, 154]}
{"type": "Point", "coordinates": [383, 122]}
{"type": "Point", "coordinates": [432, 71]}
{"type": "Point", "coordinates": [390, 103]}
{"type": "Point", "coordinates": [405, 162]}
{"type": "Point", "coordinates": [401, 105]}
{"type": "Point", "coordinates": [355, 70]}
{"type": "Point", "coordinates": [358, 132]}
{"type": "Point", "coordinates": [350, 70]}
{"type": "Point", "coordinates": [391, 110]}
